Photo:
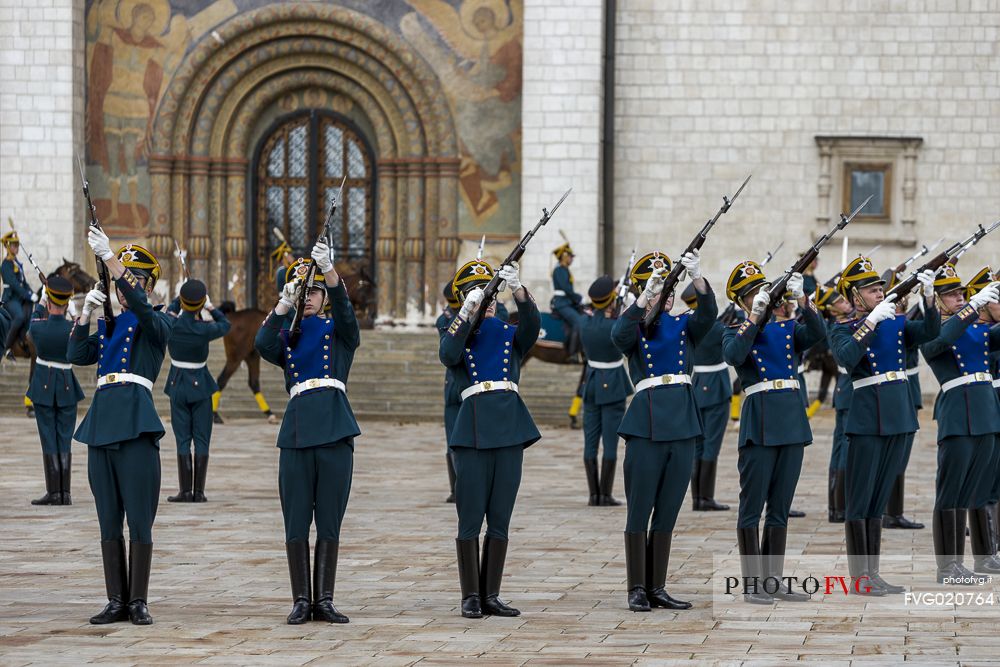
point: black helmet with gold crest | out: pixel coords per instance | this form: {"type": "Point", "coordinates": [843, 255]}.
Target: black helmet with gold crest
{"type": "Point", "coordinates": [826, 296]}
{"type": "Point", "coordinates": [857, 274]}
{"type": "Point", "coordinates": [744, 277]}
{"type": "Point", "coordinates": [59, 290]}
{"type": "Point", "coordinates": [476, 273]}
{"type": "Point", "coordinates": [299, 271]}
{"type": "Point", "coordinates": [193, 295]}
{"type": "Point", "coordinates": [947, 280]}
{"type": "Point", "coordinates": [141, 262]}
{"type": "Point", "coordinates": [602, 292]}
{"type": "Point", "coordinates": [644, 267]}
{"type": "Point", "coordinates": [449, 295]}
{"type": "Point", "coordinates": [979, 281]}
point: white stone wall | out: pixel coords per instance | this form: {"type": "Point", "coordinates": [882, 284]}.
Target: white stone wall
{"type": "Point", "coordinates": [41, 111]}
{"type": "Point", "coordinates": [561, 147]}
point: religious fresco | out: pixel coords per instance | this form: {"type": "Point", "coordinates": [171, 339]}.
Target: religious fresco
{"type": "Point", "coordinates": [134, 48]}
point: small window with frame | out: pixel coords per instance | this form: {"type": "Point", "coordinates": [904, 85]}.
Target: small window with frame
{"type": "Point", "coordinates": [862, 179]}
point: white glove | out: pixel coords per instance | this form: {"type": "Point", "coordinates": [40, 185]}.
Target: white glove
{"type": "Point", "coordinates": [45, 299]}
{"type": "Point", "coordinates": [796, 285]}
{"type": "Point", "coordinates": [322, 256]}
{"type": "Point", "coordinates": [99, 243]}
{"type": "Point", "coordinates": [761, 301]}
{"type": "Point", "coordinates": [509, 274]}
{"type": "Point", "coordinates": [34, 298]}
{"type": "Point", "coordinates": [926, 279]}
{"type": "Point", "coordinates": [884, 311]}
{"type": "Point", "coordinates": [989, 294]}
{"type": "Point", "coordinates": [208, 304]}
{"type": "Point", "coordinates": [290, 294]}
{"type": "Point", "coordinates": [471, 303]}
{"type": "Point", "coordinates": [692, 262]}
{"type": "Point", "coordinates": [95, 299]}
{"type": "Point", "coordinates": [654, 285]}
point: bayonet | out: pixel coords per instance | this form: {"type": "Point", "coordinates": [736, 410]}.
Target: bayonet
{"type": "Point", "coordinates": [103, 274]}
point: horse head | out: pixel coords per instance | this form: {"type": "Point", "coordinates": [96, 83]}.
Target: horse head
{"type": "Point", "coordinates": [82, 281]}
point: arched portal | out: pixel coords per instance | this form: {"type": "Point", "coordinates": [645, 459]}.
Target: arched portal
{"type": "Point", "coordinates": [209, 126]}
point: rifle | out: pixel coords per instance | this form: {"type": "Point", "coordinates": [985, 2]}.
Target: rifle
{"type": "Point", "coordinates": [31, 260]}
{"type": "Point", "coordinates": [104, 277]}
{"type": "Point", "coordinates": [622, 288]}
{"type": "Point", "coordinates": [954, 260]}
{"type": "Point", "coordinates": [728, 316]}
{"type": "Point", "coordinates": [296, 329]}
{"type": "Point", "coordinates": [832, 282]}
{"type": "Point", "coordinates": [672, 278]}
{"type": "Point", "coordinates": [904, 287]}
{"type": "Point", "coordinates": [181, 255]}
{"type": "Point", "coordinates": [492, 287]}
{"type": "Point", "coordinates": [776, 291]}
{"type": "Point", "coordinates": [905, 264]}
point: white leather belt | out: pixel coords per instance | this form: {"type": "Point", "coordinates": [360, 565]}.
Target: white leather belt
{"type": "Point", "coordinates": [189, 365]}
{"type": "Point", "coordinates": [910, 372]}
{"type": "Point", "coordinates": [882, 378]}
{"type": "Point", "coordinates": [558, 292]}
{"type": "Point", "coordinates": [118, 378]}
{"type": "Point", "coordinates": [489, 385]}
{"type": "Point", "coordinates": [659, 380]}
{"type": "Point", "coordinates": [996, 383]}
{"type": "Point", "coordinates": [714, 368]}
{"type": "Point", "coordinates": [316, 383]}
{"type": "Point", "coordinates": [966, 379]}
{"type": "Point", "coordinates": [605, 364]}
{"type": "Point", "coordinates": [771, 385]}
{"type": "Point", "coordinates": [802, 369]}
{"type": "Point", "coordinates": [53, 364]}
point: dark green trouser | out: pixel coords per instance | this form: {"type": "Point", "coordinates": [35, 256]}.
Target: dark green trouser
{"type": "Point", "coordinates": [125, 481]}
{"type": "Point", "coordinates": [656, 480]}
{"type": "Point", "coordinates": [838, 453]}
{"type": "Point", "coordinates": [600, 423]}
{"type": "Point", "coordinates": [716, 419]}
{"type": "Point", "coordinates": [486, 484]}
{"type": "Point", "coordinates": [450, 415]}
{"type": "Point", "coordinates": [994, 495]}
{"type": "Point", "coordinates": [964, 473]}
{"type": "Point", "coordinates": [767, 475]}
{"type": "Point", "coordinates": [872, 466]}
{"type": "Point", "coordinates": [191, 421]}
{"type": "Point", "coordinates": [55, 427]}
{"type": "Point", "coordinates": [315, 482]}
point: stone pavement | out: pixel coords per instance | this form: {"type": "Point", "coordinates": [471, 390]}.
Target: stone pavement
{"type": "Point", "coordinates": [220, 592]}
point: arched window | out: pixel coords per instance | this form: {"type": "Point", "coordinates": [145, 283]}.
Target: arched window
{"type": "Point", "coordinates": [300, 165]}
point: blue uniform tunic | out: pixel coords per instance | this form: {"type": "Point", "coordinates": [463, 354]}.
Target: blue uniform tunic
{"type": "Point", "coordinates": [968, 416]}
{"type": "Point", "coordinates": [881, 415]}
{"type": "Point", "coordinates": [604, 389]}
{"type": "Point", "coordinates": [662, 424]}
{"type": "Point", "coordinates": [190, 389]}
{"type": "Point", "coordinates": [121, 428]}
{"type": "Point", "coordinates": [316, 438]}
{"type": "Point", "coordinates": [492, 428]}
{"type": "Point", "coordinates": [54, 392]}
{"type": "Point", "coordinates": [16, 296]}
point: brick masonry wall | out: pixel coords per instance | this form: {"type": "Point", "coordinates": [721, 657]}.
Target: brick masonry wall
{"type": "Point", "coordinates": [41, 122]}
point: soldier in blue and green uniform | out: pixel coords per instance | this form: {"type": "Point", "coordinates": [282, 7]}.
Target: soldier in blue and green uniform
{"type": "Point", "coordinates": [316, 438]}
{"type": "Point", "coordinates": [17, 294]}
{"type": "Point", "coordinates": [566, 301]}
{"type": "Point", "coordinates": [190, 387]}
{"type": "Point", "coordinates": [491, 431]}
{"type": "Point", "coordinates": [452, 399]}
{"type": "Point", "coordinates": [968, 417]}
{"type": "Point", "coordinates": [606, 386]}
{"type": "Point", "coordinates": [54, 390]}
{"type": "Point", "coordinates": [837, 310]}
{"type": "Point", "coordinates": [662, 425]}
{"type": "Point", "coordinates": [713, 392]}
{"type": "Point", "coordinates": [893, 517]}
{"type": "Point", "coordinates": [774, 429]}
{"type": "Point", "coordinates": [871, 349]}
{"type": "Point", "coordinates": [121, 429]}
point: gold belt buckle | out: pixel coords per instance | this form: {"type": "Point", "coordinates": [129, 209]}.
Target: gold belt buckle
{"type": "Point", "coordinates": [891, 376]}
{"type": "Point", "coordinates": [981, 377]}
{"type": "Point", "coordinates": [779, 384]}
{"type": "Point", "coordinates": [488, 386]}
{"type": "Point", "coordinates": [312, 383]}
{"type": "Point", "coordinates": [112, 378]}
{"type": "Point", "coordinates": [668, 378]}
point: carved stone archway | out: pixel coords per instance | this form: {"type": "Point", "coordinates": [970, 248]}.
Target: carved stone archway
{"type": "Point", "coordinates": [199, 167]}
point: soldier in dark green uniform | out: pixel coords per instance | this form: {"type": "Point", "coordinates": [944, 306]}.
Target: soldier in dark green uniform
{"type": "Point", "coordinates": [54, 390]}
{"type": "Point", "coordinates": [491, 431]}
{"type": "Point", "coordinates": [190, 387]}
{"type": "Point", "coordinates": [452, 398]}
{"type": "Point", "coordinates": [774, 429]}
{"type": "Point", "coordinates": [968, 417]}
{"type": "Point", "coordinates": [713, 391]}
{"type": "Point", "coordinates": [606, 386]}
{"type": "Point", "coordinates": [893, 517]}
{"type": "Point", "coordinates": [872, 350]}
{"type": "Point", "coordinates": [317, 432]}
{"type": "Point", "coordinates": [17, 294]}
{"type": "Point", "coordinates": [122, 430]}
{"type": "Point", "coordinates": [662, 424]}
{"type": "Point", "coordinates": [566, 301]}
{"type": "Point", "coordinates": [836, 310]}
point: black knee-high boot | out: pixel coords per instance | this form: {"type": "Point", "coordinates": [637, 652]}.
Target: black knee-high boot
{"type": "Point", "coordinates": [982, 549]}
{"type": "Point", "coordinates": [635, 570]}
{"type": "Point", "coordinates": [53, 495]}
{"type": "Point", "coordinates": [657, 560]}
{"type": "Point", "coordinates": [297, 552]}
{"type": "Point", "coordinates": [66, 476]}
{"type": "Point", "coordinates": [468, 577]}
{"type": "Point", "coordinates": [856, 534]}
{"type": "Point", "coordinates": [185, 478]}
{"type": "Point", "coordinates": [772, 548]}
{"type": "Point", "coordinates": [140, 558]}
{"type": "Point", "coordinates": [893, 517]}
{"type": "Point", "coordinates": [840, 495]}
{"type": "Point", "coordinates": [752, 567]}
{"type": "Point", "coordinates": [593, 483]}
{"type": "Point", "coordinates": [873, 540]}
{"type": "Point", "coordinates": [200, 473]}
{"type": "Point", "coordinates": [491, 576]}
{"type": "Point", "coordinates": [706, 486]}
{"type": "Point", "coordinates": [324, 580]}
{"type": "Point", "coordinates": [115, 583]}
{"type": "Point", "coordinates": [943, 531]}
{"type": "Point", "coordinates": [608, 482]}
